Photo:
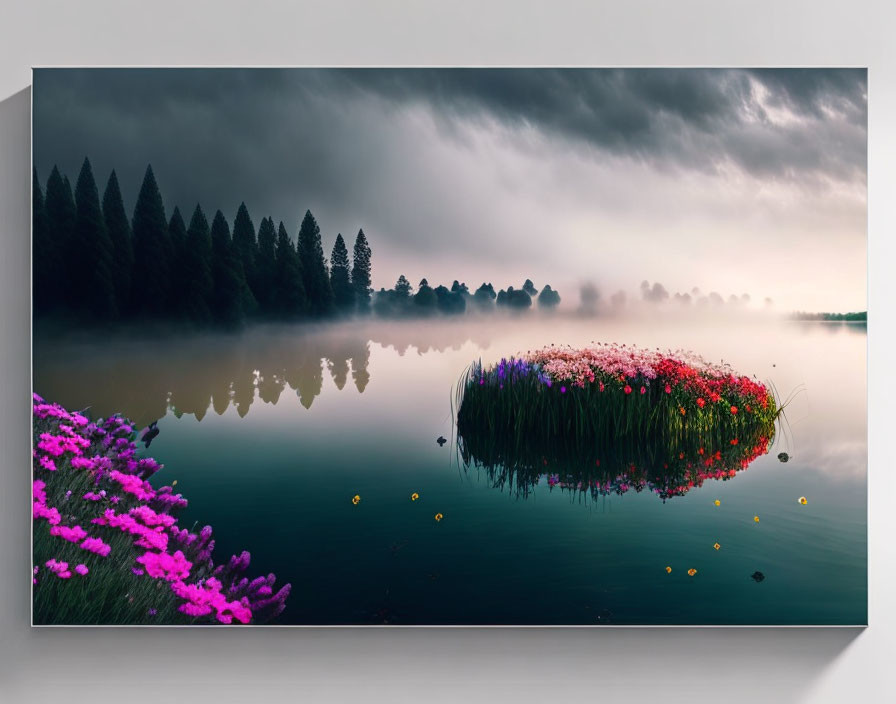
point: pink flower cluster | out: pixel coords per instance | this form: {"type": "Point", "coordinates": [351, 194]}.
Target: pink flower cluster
{"type": "Point", "coordinates": [57, 445]}
{"type": "Point", "coordinates": [152, 537]}
{"type": "Point", "coordinates": [96, 546]}
{"type": "Point", "coordinates": [202, 600]}
{"type": "Point", "coordinates": [132, 484]}
{"type": "Point", "coordinates": [72, 535]}
{"type": "Point", "coordinates": [60, 569]}
{"type": "Point", "coordinates": [106, 452]}
{"type": "Point", "coordinates": [39, 506]}
{"type": "Point", "coordinates": [161, 565]}
{"type": "Point", "coordinates": [579, 366]}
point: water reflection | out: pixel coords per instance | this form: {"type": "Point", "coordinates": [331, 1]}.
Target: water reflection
{"type": "Point", "coordinates": [145, 378]}
{"type": "Point", "coordinates": [665, 466]}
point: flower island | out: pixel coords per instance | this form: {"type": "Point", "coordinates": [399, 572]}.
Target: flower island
{"type": "Point", "coordinates": [611, 418]}
{"type": "Point", "coordinates": [107, 545]}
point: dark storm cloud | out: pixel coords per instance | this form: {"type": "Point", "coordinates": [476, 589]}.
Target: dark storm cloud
{"type": "Point", "coordinates": [685, 118]}
{"type": "Point", "coordinates": [697, 118]}
{"type": "Point", "coordinates": [351, 145]}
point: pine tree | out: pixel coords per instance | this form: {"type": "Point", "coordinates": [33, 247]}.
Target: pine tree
{"type": "Point", "coordinates": [314, 268]}
{"type": "Point", "coordinates": [343, 293]}
{"type": "Point", "coordinates": [92, 257]}
{"type": "Point", "coordinates": [230, 289]}
{"type": "Point", "coordinates": [199, 290]}
{"type": "Point", "coordinates": [60, 208]}
{"type": "Point", "coordinates": [403, 287]}
{"type": "Point", "coordinates": [150, 284]}
{"type": "Point", "coordinates": [290, 300]}
{"type": "Point", "coordinates": [360, 278]}
{"type": "Point", "coordinates": [119, 231]}
{"type": "Point", "coordinates": [47, 263]}
{"type": "Point", "coordinates": [180, 274]}
{"type": "Point", "coordinates": [266, 265]}
{"type": "Point", "coordinates": [245, 246]}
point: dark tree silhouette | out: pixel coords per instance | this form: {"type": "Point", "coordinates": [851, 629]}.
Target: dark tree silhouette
{"type": "Point", "coordinates": [231, 293]}
{"type": "Point", "coordinates": [529, 288]}
{"type": "Point", "coordinates": [119, 230]}
{"type": "Point", "coordinates": [403, 287]}
{"type": "Point", "coordinates": [360, 277]}
{"type": "Point", "coordinates": [266, 265]}
{"type": "Point", "coordinates": [289, 290]}
{"type": "Point", "coordinates": [92, 256]}
{"type": "Point", "coordinates": [548, 298]}
{"type": "Point", "coordinates": [200, 285]}
{"type": "Point", "coordinates": [484, 297]}
{"type": "Point", "coordinates": [47, 262]}
{"type": "Point", "coordinates": [180, 274]}
{"type": "Point", "coordinates": [314, 267]}
{"type": "Point", "coordinates": [450, 302]}
{"type": "Point", "coordinates": [245, 246]}
{"type": "Point", "coordinates": [425, 299]}
{"type": "Point", "coordinates": [343, 294]}
{"type": "Point", "coordinates": [60, 208]}
{"type": "Point", "coordinates": [150, 283]}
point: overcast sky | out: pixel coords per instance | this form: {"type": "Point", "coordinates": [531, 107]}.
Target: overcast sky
{"type": "Point", "coordinates": [735, 181]}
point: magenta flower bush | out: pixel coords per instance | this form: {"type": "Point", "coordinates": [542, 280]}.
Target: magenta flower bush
{"type": "Point", "coordinates": [107, 546]}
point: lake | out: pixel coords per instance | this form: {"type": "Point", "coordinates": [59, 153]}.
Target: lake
{"type": "Point", "coordinates": [272, 431]}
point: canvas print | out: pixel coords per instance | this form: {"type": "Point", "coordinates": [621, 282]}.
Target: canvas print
{"type": "Point", "coordinates": [449, 346]}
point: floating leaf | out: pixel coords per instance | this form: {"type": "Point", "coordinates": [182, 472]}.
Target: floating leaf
{"type": "Point", "coordinates": [692, 572]}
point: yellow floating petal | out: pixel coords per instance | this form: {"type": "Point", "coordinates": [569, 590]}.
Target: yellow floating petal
{"type": "Point", "coordinates": [803, 500]}
{"type": "Point", "coordinates": [756, 518]}
{"type": "Point", "coordinates": [717, 502]}
{"type": "Point", "coordinates": [174, 483]}
{"type": "Point", "coordinates": [355, 499]}
{"type": "Point", "coordinates": [668, 569]}
{"type": "Point", "coordinates": [692, 572]}
{"type": "Point", "coordinates": [439, 517]}
{"type": "Point", "coordinates": [717, 546]}
{"type": "Point", "coordinates": [415, 496]}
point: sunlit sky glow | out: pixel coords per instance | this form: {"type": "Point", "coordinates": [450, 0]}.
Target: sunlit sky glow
{"type": "Point", "coordinates": [732, 181]}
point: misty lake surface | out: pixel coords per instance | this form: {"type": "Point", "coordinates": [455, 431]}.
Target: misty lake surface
{"type": "Point", "coordinates": [272, 431]}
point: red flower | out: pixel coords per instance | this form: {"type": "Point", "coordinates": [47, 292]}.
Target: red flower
{"type": "Point", "coordinates": [701, 402]}
{"type": "Point", "coordinates": [734, 442]}
{"type": "Point", "coordinates": [627, 389]}
{"type": "Point", "coordinates": [668, 389]}
{"type": "Point", "coordinates": [734, 410]}
{"type": "Point", "coordinates": [643, 391]}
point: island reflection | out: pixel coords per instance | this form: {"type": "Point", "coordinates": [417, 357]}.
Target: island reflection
{"type": "Point", "coordinates": [666, 467]}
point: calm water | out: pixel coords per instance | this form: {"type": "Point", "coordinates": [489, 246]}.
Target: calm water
{"type": "Point", "coordinates": [270, 433]}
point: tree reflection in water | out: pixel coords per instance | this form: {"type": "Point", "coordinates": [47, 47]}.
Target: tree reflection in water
{"type": "Point", "coordinates": [143, 378]}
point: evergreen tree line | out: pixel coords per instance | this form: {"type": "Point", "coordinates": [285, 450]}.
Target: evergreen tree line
{"type": "Point", "coordinates": [402, 301]}
{"type": "Point", "coordinates": [92, 262]}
